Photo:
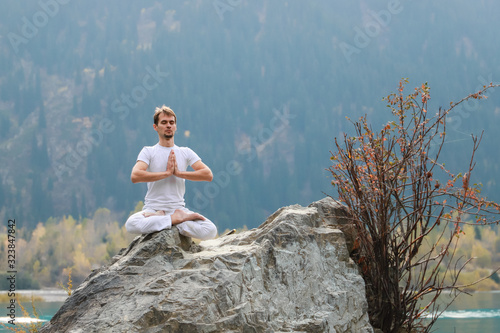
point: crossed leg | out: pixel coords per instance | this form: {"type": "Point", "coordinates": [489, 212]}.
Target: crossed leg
{"type": "Point", "coordinates": [189, 223]}
{"type": "Point", "coordinates": [178, 216]}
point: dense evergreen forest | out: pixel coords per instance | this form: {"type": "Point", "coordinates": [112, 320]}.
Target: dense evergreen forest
{"type": "Point", "coordinates": [261, 89]}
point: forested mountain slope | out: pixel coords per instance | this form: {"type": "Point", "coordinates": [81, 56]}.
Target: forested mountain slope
{"type": "Point", "coordinates": [261, 88]}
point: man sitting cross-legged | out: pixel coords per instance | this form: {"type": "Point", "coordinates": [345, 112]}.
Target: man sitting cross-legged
{"type": "Point", "coordinates": [164, 167]}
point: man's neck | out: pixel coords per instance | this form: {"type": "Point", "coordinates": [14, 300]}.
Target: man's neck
{"type": "Point", "coordinates": [166, 142]}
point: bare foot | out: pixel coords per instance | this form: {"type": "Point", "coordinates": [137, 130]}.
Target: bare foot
{"type": "Point", "coordinates": [180, 216]}
{"type": "Point", "coordinates": [157, 213]}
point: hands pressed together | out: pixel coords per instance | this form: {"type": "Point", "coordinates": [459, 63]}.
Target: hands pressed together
{"type": "Point", "coordinates": [172, 165]}
{"type": "Point", "coordinates": [201, 171]}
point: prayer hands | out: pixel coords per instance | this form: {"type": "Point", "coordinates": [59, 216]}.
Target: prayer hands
{"type": "Point", "coordinates": [171, 164]}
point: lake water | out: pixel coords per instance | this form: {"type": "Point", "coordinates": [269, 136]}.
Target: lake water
{"type": "Point", "coordinates": [53, 300]}
{"type": "Point", "coordinates": [479, 313]}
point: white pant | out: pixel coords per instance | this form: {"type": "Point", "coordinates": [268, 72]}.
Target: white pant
{"type": "Point", "coordinates": [200, 229]}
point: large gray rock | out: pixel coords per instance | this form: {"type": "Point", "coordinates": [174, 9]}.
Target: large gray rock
{"type": "Point", "coordinates": [292, 274]}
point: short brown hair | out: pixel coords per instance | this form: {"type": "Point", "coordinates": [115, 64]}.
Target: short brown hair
{"type": "Point", "coordinates": [163, 109]}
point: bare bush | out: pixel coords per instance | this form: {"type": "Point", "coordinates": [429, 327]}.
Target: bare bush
{"type": "Point", "coordinates": [397, 192]}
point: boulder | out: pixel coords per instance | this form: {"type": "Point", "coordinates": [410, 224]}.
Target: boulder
{"type": "Point", "coordinates": [291, 274]}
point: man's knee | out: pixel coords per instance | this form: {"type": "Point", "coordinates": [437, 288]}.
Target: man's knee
{"type": "Point", "coordinates": [132, 224]}
{"type": "Point", "coordinates": [131, 228]}
{"type": "Point", "coordinates": [213, 231]}
{"type": "Point", "coordinates": [210, 231]}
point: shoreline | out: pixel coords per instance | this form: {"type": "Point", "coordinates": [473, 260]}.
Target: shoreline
{"type": "Point", "coordinates": [47, 295]}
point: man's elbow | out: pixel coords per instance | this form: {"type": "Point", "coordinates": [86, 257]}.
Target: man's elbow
{"type": "Point", "coordinates": [134, 179]}
{"type": "Point", "coordinates": [210, 176]}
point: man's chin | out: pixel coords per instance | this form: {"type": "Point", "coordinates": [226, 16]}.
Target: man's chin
{"type": "Point", "coordinates": [168, 136]}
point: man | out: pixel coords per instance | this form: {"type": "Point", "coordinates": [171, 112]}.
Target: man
{"type": "Point", "coordinates": [163, 166]}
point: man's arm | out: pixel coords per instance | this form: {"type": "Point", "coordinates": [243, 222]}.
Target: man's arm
{"type": "Point", "coordinates": [141, 175]}
{"type": "Point", "coordinates": [201, 172]}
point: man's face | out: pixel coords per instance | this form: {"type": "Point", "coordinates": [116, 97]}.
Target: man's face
{"type": "Point", "coordinates": [166, 126]}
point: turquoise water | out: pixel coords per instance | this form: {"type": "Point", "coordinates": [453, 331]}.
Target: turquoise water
{"type": "Point", "coordinates": [53, 300]}
{"type": "Point", "coordinates": [45, 310]}
{"type": "Point", "coordinates": [478, 313]}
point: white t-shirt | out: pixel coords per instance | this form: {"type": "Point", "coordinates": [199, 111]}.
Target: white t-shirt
{"type": "Point", "coordinates": [166, 193]}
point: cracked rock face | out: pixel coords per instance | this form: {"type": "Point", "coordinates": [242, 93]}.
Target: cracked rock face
{"type": "Point", "coordinates": [292, 274]}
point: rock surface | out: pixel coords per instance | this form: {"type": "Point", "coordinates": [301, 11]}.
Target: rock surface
{"type": "Point", "coordinates": [292, 274]}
